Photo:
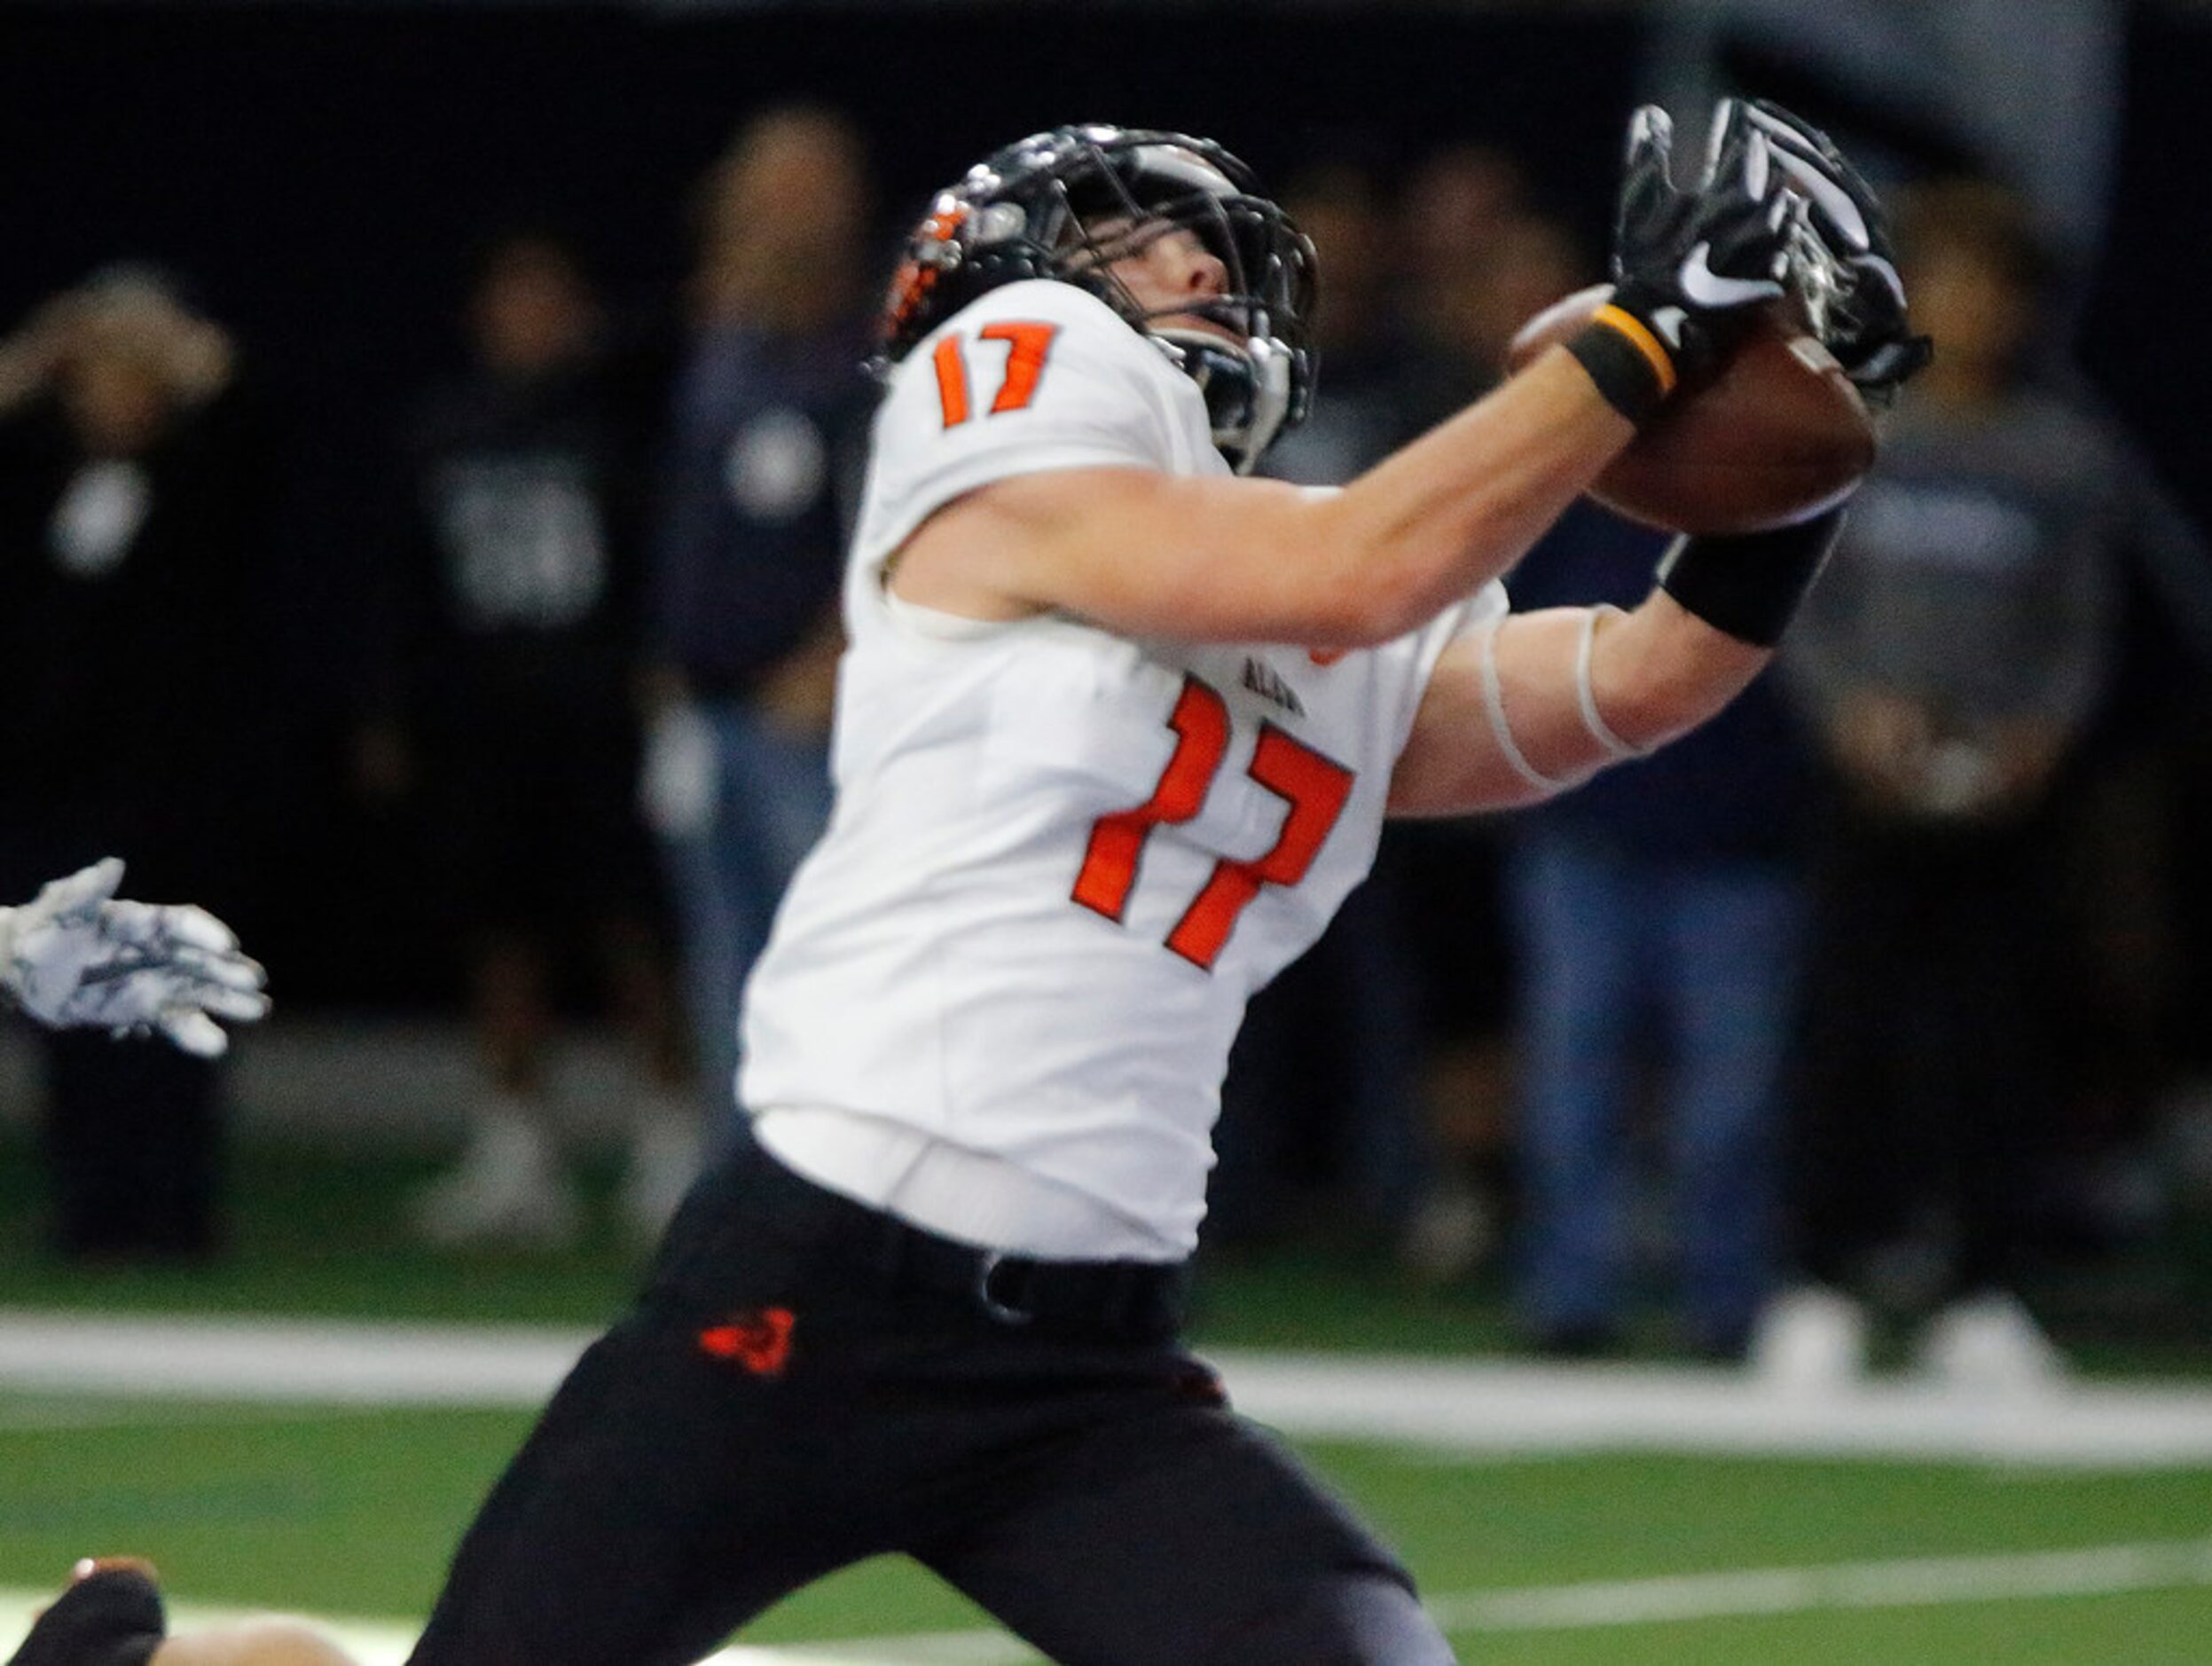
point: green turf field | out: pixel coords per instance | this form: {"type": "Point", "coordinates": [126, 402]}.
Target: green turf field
{"type": "Point", "coordinates": [1586, 1557]}
{"type": "Point", "coordinates": [351, 1512]}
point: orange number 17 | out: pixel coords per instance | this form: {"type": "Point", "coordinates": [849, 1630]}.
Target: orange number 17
{"type": "Point", "coordinates": [1315, 787]}
{"type": "Point", "coordinates": [1026, 346]}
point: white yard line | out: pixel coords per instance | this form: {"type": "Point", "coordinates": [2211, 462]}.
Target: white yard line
{"type": "Point", "coordinates": [321, 1361]}
{"type": "Point", "coordinates": [101, 1411]}
{"type": "Point", "coordinates": [1500, 1408]}
{"type": "Point", "coordinates": [1917, 1582]}
{"type": "Point", "coordinates": [2097, 1571]}
{"type": "Point", "coordinates": [1511, 1408]}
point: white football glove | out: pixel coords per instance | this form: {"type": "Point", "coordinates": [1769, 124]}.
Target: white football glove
{"type": "Point", "coordinates": [74, 955]}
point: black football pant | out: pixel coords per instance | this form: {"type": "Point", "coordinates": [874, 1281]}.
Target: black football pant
{"type": "Point", "coordinates": [806, 1382]}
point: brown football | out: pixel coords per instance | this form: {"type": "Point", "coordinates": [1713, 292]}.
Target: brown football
{"type": "Point", "coordinates": [1779, 434]}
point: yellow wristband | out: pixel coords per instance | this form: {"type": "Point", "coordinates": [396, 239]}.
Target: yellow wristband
{"type": "Point", "coordinates": [1640, 337]}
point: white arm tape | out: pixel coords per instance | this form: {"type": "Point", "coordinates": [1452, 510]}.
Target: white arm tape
{"type": "Point", "coordinates": [1586, 696]}
{"type": "Point", "coordinates": [1494, 703]}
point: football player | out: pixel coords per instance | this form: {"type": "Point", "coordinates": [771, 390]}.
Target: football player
{"type": "Point", "coordinates": [76, 956]}
{"type": "Point", "coordinates": [1117, 731]}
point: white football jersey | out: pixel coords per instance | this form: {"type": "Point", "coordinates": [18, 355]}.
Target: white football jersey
{"type": "Point", "coordinates": [1061, 860]}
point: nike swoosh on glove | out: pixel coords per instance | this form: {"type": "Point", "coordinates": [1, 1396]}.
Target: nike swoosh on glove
{"type": "Point", "coordinates": [1692, 265]}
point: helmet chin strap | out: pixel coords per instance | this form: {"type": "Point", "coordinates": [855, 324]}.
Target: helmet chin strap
{"type": "Point", "coordinates": [1247, 390]}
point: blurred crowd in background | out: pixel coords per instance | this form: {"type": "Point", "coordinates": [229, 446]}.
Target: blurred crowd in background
{"type": "Point", "coordinates": [1883, 991]}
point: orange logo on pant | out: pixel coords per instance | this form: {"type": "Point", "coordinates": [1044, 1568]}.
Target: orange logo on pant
{"type": "Point", "coordinates": [758, 1342]}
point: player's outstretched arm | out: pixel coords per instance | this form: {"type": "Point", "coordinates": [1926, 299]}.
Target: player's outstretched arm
{"type": "Point", "coordinates": [1534, 704]}
{"type": "Point", "coordinates": [1244, 559]}
{"type": "Point", "coordinates": [77, 956]}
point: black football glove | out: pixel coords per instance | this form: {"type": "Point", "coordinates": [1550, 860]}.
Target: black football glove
{"type": "Point", "coordinates": [1845, 269]}
{"type": "Point", "coordinates": [1694, 266]}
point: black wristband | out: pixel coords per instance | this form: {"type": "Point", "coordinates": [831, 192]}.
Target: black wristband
{"type": "Point", "coordinates": [1629, 365]}
{"type": "Point", "coordinates": [1750, 584]}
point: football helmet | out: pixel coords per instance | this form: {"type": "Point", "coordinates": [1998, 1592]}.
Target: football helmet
{"type": "Point", "coordinates": [1068, 203]}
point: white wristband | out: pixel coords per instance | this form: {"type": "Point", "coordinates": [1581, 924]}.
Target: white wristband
{"type": "Point", "coordinates": [1586, 696]}
{"type": "Point", "coordinates": [1494, 703]}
